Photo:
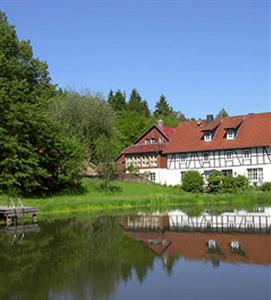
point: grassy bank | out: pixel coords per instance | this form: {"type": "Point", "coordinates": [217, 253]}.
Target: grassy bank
{"type": "Point", "coordinates": [134, 196]}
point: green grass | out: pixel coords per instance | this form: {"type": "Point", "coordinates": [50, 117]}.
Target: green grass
{"type": "Point", "coordinates": [132, 196]}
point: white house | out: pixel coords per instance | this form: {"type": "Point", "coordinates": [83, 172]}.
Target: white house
{"type": "Point", "coordinates": [237, 145]}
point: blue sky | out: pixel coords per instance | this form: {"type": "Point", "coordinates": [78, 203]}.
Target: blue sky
{"type": "Point", "coordinates": [203, 55]}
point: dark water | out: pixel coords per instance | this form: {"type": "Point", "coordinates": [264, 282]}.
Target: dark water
{"type": "Point", "coordinates": [106, 258]}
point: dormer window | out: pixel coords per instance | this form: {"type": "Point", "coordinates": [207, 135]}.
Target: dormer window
{"type": "Point", "coordinates": [207, 136]}
{"type": "Point", "coordinates": [230, 134]}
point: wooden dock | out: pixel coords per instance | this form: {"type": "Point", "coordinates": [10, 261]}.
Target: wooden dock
{"type": "Point", "coordinates": [11, 213]}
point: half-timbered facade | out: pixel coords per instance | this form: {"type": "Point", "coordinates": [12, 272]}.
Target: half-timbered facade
{"type": "Point", "coordinates": [238, 145]}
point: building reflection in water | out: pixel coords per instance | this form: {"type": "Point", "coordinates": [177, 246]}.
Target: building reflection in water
{"type": "Point", "coordinates": [238, 237]}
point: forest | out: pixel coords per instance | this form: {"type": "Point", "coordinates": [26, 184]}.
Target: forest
{"type": "Point", "coordinates": [47, 132]}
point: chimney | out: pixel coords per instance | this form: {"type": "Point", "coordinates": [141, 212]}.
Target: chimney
{"type": "Point", "coordinates": [160, 123]}
{"type": "Point", "coordinates": [209, 118]}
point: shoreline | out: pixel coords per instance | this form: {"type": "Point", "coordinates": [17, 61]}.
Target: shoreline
{"type": "Point", "coordinates": [133, 196]}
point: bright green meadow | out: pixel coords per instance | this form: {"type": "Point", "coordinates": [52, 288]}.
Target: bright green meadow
{"type": "Point", "coordinates": [132, 196]}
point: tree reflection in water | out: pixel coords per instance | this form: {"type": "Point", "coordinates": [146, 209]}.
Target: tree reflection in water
{"type": "Point", "coordinates": [89, 259]}
{"type": "Point", "coordinates": [79, 259]}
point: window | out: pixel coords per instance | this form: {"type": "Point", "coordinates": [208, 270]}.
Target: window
{"type": "Point", "coordinates": [129, 161]}
{"type": "Point", "coordinates": [255, 174]}
{"type": "Point", "coordinates": [153, 141]}
{"type": "Point", "coordinates": [147, 141]}
{"type": "Point", "coordinates": [161, 140]}
{"type": "Point", "coordinates": [152, 176]}
{"type": "Point", "coordinates": [230, 134]}
{"type": "Point", "coordinates": [208, 136]}
{"type": "Point", "coordinates": [153, 160]}
{"type": "Point", "coordinates": [137, 161]}
{"type": "Point", "coordinates": [228, 155]}
{"type": "Point", "coordinates": [227, 173]}
{"type": "Point", "coordinates": [183, 157]}
{"type": "Point", "coordinates": [206, 156]}
{"type": "Point", "coordinates": [246, 153]}
{"type": "Point", "coordinates": [144, 160]}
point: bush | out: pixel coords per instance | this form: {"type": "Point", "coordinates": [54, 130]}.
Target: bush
{"type": "Point", "coordinates": [228, 185]}
{"type": "Point", "coordinates": [234, 184]}
{"type": "Point", "coordinates": [215, 181]}
{"type": "Point", "coordinates": [192, 182]}
{"type": "Point", "coordinates": [266, 187]}
{"type": "Point", "coordinates": [241, 183]}
{"type": "Point", "coordinates": [133, 170]}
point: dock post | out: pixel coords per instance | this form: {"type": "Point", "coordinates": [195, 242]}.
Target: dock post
{"type": "Point", "coordinates": [34, 218]}
{"type": "Point", "coordinates": [9, 220]}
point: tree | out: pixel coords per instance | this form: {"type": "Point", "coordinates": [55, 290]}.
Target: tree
{"type": "Point", "coordinates": [85, 116]}
{"type": "Point", "coordinates": [162, 107]}
{"type": "Point", "coordinates": [35, 155]}
{"type": "Point", "coordinates": [136, 104]}
{"type": "Point", "coordinates": [106, 150]}
{"type": "Point", "coordinates": [117, 101]}
{"type": "Point", "coordinates": [130, 125]}
{"type": "Point", "coordinates": [222, 113]}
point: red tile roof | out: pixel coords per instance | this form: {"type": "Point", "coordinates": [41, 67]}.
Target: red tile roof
{"type": "Point", "coordinates": [168, 131]}
{"type": "Point", "coordinates": [254, 131]}
{"type": "Point", "coordinates": [144, 148]}
{"type": "Point", "coordinates": [211, 126]}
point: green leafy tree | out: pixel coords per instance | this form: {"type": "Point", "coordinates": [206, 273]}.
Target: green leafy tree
{"type": "Point", "coordinates": [117, 101]}
{"type": "Point", "coordinates": [130, 125]}
{"type": "Point", "coordinates": [162, 107]}
{"type": "Point", "coordinates": [85, 116]}
{"type": "Point", "coordinates": [222, 113]}
{"type": "Point", "coordinates": [136, 104]}
{"type": "Point", "coordinates": [35, 156]}
{"type": "Point", "coordinates": [106, 150]}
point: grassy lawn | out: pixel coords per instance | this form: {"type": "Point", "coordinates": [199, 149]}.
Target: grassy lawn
{"type": "Point", "coordinates": [134, 196]}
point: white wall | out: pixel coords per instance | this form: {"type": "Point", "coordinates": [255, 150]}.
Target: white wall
{"type": "Point", "coordinates": [259, 158]}
{"type": "Point", "coordinates": [173, 176]}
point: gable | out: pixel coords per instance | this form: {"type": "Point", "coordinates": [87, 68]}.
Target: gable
{"type": "Point", "coordinates": [153, 133]}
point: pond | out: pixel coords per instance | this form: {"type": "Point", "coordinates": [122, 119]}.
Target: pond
{"type": "Point", "coordinates": [159, 255]}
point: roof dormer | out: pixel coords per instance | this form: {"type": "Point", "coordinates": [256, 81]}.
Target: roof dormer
{"type": "Point", "coordinates": [209, 128]}
{"type": "Point", "coordinates": [230, 134]}
{"type": "Point", "coordinates": [208, 136]}
{"type": "Point", "coordinates": [232, 129]}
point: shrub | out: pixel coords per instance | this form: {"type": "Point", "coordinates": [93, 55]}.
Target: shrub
{"type": "Point", "coordinates": [132, 169]}
{"type": "Point", "coordinates": [228, 185]}
{"type": "Point", "coordinates": [234, 184]}
{"type": "Point", "coordinates": [241, 183]}
{"type": "Point", "coordinates": [192, 182]}
{"type": "Point", "coordinates": [215, 181]}
{"type": "Point", "coordinates": [266, 187]}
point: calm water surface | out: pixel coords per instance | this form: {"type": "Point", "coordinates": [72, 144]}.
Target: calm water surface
{"type": "Point", "coordinates": [143, 256]}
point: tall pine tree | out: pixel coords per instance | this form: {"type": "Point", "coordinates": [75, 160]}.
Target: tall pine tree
{"type": "Point", "coordinates": [117, 101]}
{"type": "Point", "coordinates": [136, 104]}
{"type": "Point", "coordinates": [162, 107]}
{"type": "Point", "coordinates": [222, 113]}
